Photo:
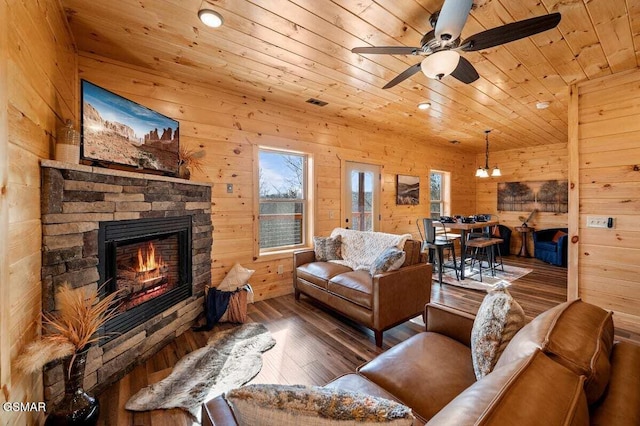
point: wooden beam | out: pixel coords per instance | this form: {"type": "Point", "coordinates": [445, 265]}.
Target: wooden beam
{"type": "Point", "coordinates": [574, 196]}
{"type": "Point", "coordinates": [5, 344]}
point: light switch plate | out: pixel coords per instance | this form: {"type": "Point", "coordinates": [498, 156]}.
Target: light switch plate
{"type": "Point", "coordinates": [597, 221]}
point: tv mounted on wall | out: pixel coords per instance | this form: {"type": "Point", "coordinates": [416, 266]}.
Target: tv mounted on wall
{"type": "Point", "coordinates": [124, 134]}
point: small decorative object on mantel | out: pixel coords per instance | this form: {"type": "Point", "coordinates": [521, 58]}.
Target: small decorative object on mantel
{"type": "Point", "coordinates": [70, 334]}
{"type": "Point", "coordinates": [68, 144]}
{"type": "Point", "coordinates": [189, 160]}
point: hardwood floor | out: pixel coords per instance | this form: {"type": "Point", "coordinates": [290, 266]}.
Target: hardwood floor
{"type": "Point", "coordinates": [315, 345]}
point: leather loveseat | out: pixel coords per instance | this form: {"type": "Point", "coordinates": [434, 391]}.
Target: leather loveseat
{"type": "Point", "coordinates": [379, 302]}
{"type": "Point", "coordinates": [563, 368]}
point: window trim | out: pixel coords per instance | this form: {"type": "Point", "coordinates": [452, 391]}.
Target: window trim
{"type": "Point", "coordinates": [445, 192]}
{"type": "Point", "coordinates": [308, 215]}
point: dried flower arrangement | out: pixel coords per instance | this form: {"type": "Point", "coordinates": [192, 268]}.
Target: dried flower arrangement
{"type": "Point", "coordinates": [81, 313]}
{"type": "Point", "coordinates": [191, 159]}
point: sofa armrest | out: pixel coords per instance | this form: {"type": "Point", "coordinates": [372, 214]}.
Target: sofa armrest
{"type": "Point", "coordinates": [449, 322]}
{"type": "Point", "coordinates": [301, 257]}
{"type": "Point", "coordinates": [399, 294]}
{"type": "Point", "coordinates": [217, 413]}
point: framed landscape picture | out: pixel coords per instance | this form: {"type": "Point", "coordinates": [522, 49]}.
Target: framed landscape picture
{"type": "Point", "coordinates": [117, 131]}
{"type": "Point", "coordinates": [544, 196]}
{"type": "Point", "coordinates": [408, 190]}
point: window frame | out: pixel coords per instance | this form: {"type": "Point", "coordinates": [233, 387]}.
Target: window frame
{"type": "Point", "coordinates": [306, 201]}
{"type": "Point", "coordinates": [445, 193]}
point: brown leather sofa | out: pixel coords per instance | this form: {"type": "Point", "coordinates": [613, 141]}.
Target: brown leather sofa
{"type": "Point", "coordinates": [563, 368]}
{"type": "Point", "coordinates": [378, 302]}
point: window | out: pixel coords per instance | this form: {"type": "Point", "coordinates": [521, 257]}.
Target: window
{"type": "Point", "coordinates": [284, 199]}
{"type": "Point", "coordinates": [440, 202]}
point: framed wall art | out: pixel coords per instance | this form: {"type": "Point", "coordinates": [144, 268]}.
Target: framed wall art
{"type": "Point", "coordinates": [544, 196]}
{"type": "Point", "coordinates": [408, 190]}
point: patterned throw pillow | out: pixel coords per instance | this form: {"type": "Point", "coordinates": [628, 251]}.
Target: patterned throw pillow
{"type": "Point", "coordinates": [559, 234]}
{"type": "Point", "coordinates": [286, 405]}
{"type": "Point", "coordinates": [390, 260]}
{"type": "Point", "coordinates": [498, 320]}
{"type": "Point", "coordinates": [327, 248]}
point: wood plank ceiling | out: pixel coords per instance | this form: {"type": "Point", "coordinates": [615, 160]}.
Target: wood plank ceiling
{"type": "Point", "coordinates": [287, 51]}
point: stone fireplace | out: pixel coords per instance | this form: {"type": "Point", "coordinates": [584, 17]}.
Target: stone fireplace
{"type": "Point", "coordinates": [148, 236]}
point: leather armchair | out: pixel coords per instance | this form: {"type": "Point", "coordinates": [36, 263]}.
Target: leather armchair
{"type": "Point", "coordinates": [547, 250]}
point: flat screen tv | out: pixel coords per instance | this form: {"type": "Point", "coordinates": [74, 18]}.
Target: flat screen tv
{"type": "Point", "coordinates": [121, 133]}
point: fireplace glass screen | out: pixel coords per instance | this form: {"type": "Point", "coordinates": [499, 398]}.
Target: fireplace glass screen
{"type": "Point", "coordinates": [146, 270]}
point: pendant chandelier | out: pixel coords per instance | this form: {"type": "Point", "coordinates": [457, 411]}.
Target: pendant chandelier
{"type": "Point", "coordinates": [483, 172]}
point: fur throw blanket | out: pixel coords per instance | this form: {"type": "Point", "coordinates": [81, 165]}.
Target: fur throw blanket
{"type": "Point", "coordinates": [361, 248]}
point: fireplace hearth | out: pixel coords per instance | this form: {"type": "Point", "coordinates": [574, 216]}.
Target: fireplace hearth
{"type": "Point", "coordinates": [149, 262]}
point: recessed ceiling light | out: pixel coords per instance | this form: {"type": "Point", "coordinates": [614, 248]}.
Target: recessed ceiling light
{"type": "Point", "coordinates": [424, 105]}
{"type": "Point", "coordinates": [542, 105]}
{"type": "Point", "coordinates": [210, 18]}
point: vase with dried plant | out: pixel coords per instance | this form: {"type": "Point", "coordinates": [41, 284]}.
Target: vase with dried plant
{"type": "Point", "coordinates": [188, 161]}
{"type": "Point", "coordinates": [69, 335]}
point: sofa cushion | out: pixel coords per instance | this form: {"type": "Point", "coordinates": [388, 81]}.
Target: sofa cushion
{"type": "Point", "coordinates": [413, 250]}
{"type": "Point", "coordinates": [389, 260]}
{"type": "Point", "coordinates": [575, 334]}
{"type": "Point", "coordinates": [531, 391]}
{"type": "Point", "coordinates": [424, 372]}
{"type": "Point", "coordinates": [355, 286]}
{"type": "Point", "coordinates": [327, 248]}
{"type": "Point", "coordinates": [559, 234]}
{"type": "Point", "coordinates": [310, 405]}
{"type": "Point", "coordinates": [319, 273]}
{"type": "Point", "coordinates": [499, 318]}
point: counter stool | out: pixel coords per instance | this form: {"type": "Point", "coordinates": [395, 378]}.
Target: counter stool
{"type": "Point", "coordinates": [485, 249]}
{"type": "Point", "coordinates": [431, 244]}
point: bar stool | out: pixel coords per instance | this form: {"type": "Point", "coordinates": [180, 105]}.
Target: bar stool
{"type": "Point", "coordinates": [432, 244]}
{"type": "Point", "coordinates": [485, 249]}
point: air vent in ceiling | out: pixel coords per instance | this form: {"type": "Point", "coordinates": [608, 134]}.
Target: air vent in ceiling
{"type": "Point", "coordinates": [317, 102]}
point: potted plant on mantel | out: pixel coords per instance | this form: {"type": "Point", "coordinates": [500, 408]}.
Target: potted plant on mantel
{"type": "Point", "coordinates": [70, 333]}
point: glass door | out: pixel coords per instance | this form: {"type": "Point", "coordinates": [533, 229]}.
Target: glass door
{"type": "Point", "coordinates": [361, 196]}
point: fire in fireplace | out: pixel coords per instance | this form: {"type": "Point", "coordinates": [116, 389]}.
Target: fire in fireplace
{"type": "Point", "coordinates": [149, 262]}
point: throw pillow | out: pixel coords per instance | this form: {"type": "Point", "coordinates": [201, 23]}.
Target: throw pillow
{"type": "Point", "coordinates": [236, 277]}
{"type": "Point", "coordinates": [495, 231]}
{"type": "Point", "coordinates": [289, 405]}
{"type": "Point", "coordinates": [559, 234]}
{"type": "Point", "coordinates": [498, 320]}
{"type": "Point", "coordinates": [389, 260]}
{"type": "Point", "coordinates": [327, 248]}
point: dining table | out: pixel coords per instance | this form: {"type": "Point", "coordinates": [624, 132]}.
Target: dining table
{"type": "Point", "coordinates": [464, 228]}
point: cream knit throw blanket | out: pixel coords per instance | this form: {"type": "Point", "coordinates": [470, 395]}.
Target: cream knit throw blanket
{"type": "Point", "coordinates": [361, 248]}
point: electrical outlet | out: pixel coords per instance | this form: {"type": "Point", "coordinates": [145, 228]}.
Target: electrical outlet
{"type": "Point", "coordinates": [597, 221]}
{"type": "Point", "coordinates": [280, 269]}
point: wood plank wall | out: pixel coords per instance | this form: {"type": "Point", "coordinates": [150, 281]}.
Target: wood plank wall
{"type": "Point", "coordinates": [520, 165]}
{"type": "Point", "coordinates": [228, 126]}
{"type": "Point", "coordinates": [41, 71]}
{"type": "Point", "coordinates": [609, 183]}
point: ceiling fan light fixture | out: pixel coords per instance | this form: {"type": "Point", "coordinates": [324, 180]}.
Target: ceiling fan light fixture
{"type": "Point", "coordinates": [210, 18]}
{"type": "Point", "coordinates": [440, 64]}
{"type": "Point", "coordinates": [451, 19]}
{"type": "Point", "coordinates": [424, 105]}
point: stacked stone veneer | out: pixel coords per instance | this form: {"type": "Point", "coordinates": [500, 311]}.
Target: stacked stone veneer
{"type": "Point", "coordinates": [75, 198]}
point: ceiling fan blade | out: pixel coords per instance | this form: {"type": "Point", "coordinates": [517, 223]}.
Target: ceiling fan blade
{"type": "Point", "coordinates": [510, 32]}
{"type": "Point", "coordinates": [465, 72]}
{"type": "Point", "coordinates": [403, 76]}
{"type": "Point", "coordinates": [387, 50]}
{"type": "Point", "coordinates": [451, 20]}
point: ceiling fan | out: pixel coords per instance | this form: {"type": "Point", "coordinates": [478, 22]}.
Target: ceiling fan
{"type": "Point", "coordinates": [441, 46]}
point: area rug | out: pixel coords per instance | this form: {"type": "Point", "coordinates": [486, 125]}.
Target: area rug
{"type": "Point", "coordinates": [230, 359]}
{"type": "Point", "coordinates": [472, 277]}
